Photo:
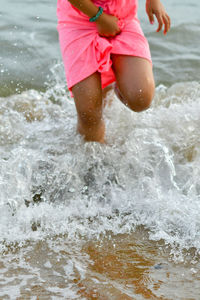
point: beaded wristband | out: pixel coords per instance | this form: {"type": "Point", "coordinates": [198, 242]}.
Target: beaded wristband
{"type": "Point", "coordinates": [99, 13]}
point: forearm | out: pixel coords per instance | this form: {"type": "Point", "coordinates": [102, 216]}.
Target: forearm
{"type": "Point", "coordinates": [85, 6]}
{"type": "Point", "coordinates": [107, 25]}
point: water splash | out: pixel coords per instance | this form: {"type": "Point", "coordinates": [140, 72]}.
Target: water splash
{"type": "Point", "coordinates": [147, 174]}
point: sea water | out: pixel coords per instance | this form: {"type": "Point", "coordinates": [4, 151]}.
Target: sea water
{"type": "Point", "coordinates": [88, 221]}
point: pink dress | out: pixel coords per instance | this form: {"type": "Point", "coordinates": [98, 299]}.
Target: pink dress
{"type": "Point", "coordinates": [84, 52]}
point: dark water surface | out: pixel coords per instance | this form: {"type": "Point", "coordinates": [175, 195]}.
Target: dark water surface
{"type": "Point", "coordinates": [86, 221]}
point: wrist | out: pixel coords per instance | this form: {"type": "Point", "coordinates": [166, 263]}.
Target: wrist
{"type": "Point", "coordinates": [97, 16]}
{"type": "Point", "coordinates": [100, 19]}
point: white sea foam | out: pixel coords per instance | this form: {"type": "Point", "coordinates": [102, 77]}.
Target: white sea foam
{"type": "Point", "coordinates": [52, 183]}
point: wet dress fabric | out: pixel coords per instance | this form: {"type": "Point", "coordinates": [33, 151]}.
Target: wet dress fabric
{"type": "Point", "coordinates": [84, 51]}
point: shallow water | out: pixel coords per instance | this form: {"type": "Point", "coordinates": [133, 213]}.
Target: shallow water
{"type": "Point", "coordinates": [89, 221]}
{"type": "Point", "coordinates": [126, 266]}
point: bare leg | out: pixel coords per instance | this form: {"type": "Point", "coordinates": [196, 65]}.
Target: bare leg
{"type": "Point", "coordinates": [88, 100]}
{"type": "Point", "coordinates": [135, 82]}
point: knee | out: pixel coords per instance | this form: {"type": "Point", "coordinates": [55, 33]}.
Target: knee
{"type": "Point", "coordinates": [140, 98]}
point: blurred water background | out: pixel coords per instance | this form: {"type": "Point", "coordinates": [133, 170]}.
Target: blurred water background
{"type": "Point", "coordinates": [86, 221]}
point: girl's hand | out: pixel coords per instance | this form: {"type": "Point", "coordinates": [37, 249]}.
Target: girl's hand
{"type": "Point", "coordinates": [107, 25]}
{"type": "Point", "coordinates": [155, 7]}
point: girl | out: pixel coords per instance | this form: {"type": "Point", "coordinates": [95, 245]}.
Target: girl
{"type": "Point", "coordinates": [102, 42]}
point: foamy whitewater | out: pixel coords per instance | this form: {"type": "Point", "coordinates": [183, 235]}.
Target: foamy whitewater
{"type": "Point", "coordinates": [147, 174]}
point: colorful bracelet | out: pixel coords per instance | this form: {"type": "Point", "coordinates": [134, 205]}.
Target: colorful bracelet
{"type": "Point", "coordinates": [99, 13]}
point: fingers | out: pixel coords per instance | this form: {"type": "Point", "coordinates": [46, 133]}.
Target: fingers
{"type": "Point", "coordinates": [151, 17]}
{"type": "Point", "coordinates": [113, 34]}
{"type": "Point", "coordinates": [160, 22]}
{"type": "Point", "coordinates": [169, 21]}
{"type": "Point", "coordinates": [163, 20]}
{"type": "Point", "coordinates": [166, 21]}
{"type": "Point", "coordinates": [110, 28]}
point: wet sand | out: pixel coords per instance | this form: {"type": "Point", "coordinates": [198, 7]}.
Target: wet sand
{"type": "Point", "coordinates": [114, 267]}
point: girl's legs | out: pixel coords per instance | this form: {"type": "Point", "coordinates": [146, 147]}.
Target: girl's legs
{"type": "Point", "coordinates": [135, 89]}
{"type": "Point", "coordinates": [135, 81]}
{"type": "Point", "coordinates": [88, 99]}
